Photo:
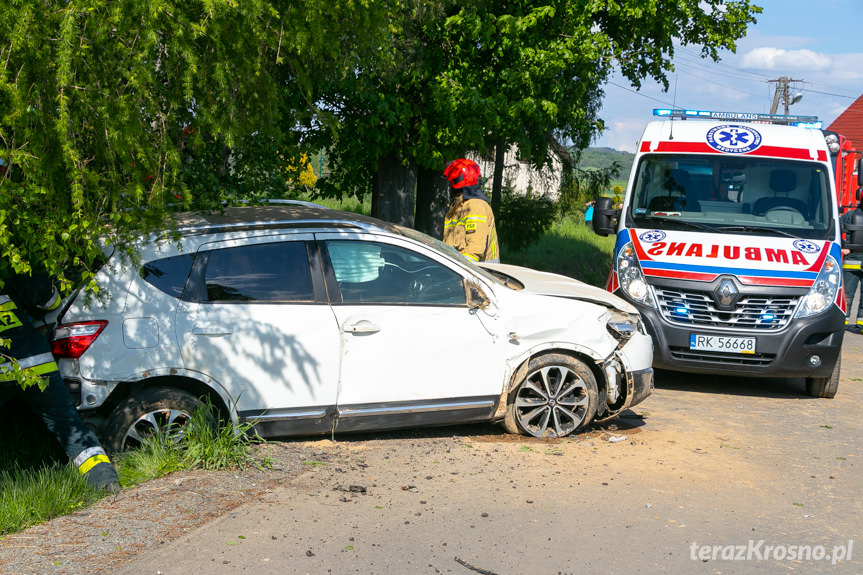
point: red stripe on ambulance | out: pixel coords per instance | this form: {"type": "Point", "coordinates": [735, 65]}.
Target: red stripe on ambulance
{"type": "Point", "coordinates": [703, 148]}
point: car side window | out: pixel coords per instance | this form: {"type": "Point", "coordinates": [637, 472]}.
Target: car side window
{"type": "Point", "coordinates": [169, 274]}
{"type": "Point", "coordinates": [378, 273]}
{"type": "Point", "coordinates": [271, 272]}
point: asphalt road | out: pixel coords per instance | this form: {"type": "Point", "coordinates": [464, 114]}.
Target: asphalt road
{"type": "Point", "coordinates": [715, 475]}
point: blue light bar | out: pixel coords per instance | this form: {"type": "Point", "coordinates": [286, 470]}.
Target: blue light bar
{"type": "Point", "coordinates": [814, 125]}
{"type": "Point", "coordinates": [802, 121]}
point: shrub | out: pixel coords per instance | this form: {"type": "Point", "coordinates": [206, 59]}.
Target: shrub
{"type": "Point", "coordinates": [523, 218]}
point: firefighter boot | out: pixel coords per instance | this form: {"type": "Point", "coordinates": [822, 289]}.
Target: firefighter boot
{"type": "Point", "coordinates": [94, 464]}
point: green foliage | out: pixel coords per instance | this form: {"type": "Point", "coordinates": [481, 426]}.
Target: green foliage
{"type": "Point", "coordinates": [115, 113]}
{"type": "Point", "coordinates": [584, 185]}
{"type": "Point", "coordinates": [523, 219]}
{"type": "Point", "coordinates": [600, 158]}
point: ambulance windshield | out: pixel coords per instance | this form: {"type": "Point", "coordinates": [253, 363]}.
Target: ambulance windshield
{"type": "Point", "coordinates": [709, 193]}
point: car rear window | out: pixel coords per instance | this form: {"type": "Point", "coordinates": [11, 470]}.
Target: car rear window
{"type": "Point", "coordinates": [169, 274]}
{"type": "Point", "coordinates": [261, 272]}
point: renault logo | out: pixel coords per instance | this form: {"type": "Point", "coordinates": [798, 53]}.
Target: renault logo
{"type": "Point", "coordinates": [726, 292]}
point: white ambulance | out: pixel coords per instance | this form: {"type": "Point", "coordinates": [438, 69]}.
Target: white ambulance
{"type": "Point", "coordinates": [728, 243]}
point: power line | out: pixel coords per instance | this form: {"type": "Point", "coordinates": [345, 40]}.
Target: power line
{"type": "Point", "coordinates": [737, 71]}
{"type": "Point", "coordinates": [640, 94]}
{"type": "Point", "coordinates": [726, 86]}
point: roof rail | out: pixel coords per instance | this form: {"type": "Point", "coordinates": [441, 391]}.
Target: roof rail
{"type": "Point", "coordinates": [801, 121]}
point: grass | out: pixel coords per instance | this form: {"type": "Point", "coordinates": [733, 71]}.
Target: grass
{"type": "Point", "coordinates": [38, 483]}
{"type": "Point", "coordinates": [31, 496]}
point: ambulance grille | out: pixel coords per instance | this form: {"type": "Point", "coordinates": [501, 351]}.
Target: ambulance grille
{"type": "Point", "coordinates": [752, 312]}
{"type": "Point", "coordinates": [761, 359]}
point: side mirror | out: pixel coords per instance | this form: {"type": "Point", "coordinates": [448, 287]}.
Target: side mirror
{"type": "Point", "coordinates": [476, 298]}
{"type": "Point", "coordinates": [604, 216]}
{"type": "Point", "coordinates": [854, 233]}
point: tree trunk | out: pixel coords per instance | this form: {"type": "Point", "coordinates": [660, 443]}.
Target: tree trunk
{"type": "Point", "coordinates": [497, 178]}
{"type": "Point", "coordinates": [433, 199]}
{"type": "Point", "coordinates": [394, 190]}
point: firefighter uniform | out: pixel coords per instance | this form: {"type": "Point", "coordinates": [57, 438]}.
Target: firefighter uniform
{"type": "Point", "coordinates": [852, 274]}
{"type": "Point", "coordinates": [22, 298]}
{"type": "Point", "coordinates": [469, 228]}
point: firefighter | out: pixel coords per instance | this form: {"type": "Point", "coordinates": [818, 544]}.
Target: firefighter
{"type": "Point", "coordinates": [469, 224]}
{"type": "Point", "coordinates": [23, 298]}
{"type": "Point", "coordinates": [852, 274]}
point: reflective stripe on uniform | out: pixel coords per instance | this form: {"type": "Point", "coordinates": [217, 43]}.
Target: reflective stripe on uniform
{"type": "Point", "coordinates": [41, 364]}
{"type": "Point", "coordinates": [93, 462]}
{"type": "Point", "coordinates": [89, 454]}
{"type": "Point", "coordinates": [5, 299]}
{"type": "Point", "coordinates": [471, 257]}
{"type": "Point", "coordinates": [851, 264]}
{"type": "Point", "coordinates": [52, 303]}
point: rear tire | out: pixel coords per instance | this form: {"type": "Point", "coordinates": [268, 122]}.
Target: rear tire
{"type": "Point", "coordinates": [144, 414]}
{"type": "Point", "coordinates": [824, 386]}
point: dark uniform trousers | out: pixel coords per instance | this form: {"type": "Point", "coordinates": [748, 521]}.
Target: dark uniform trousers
{"type": "Point", "coordinates": [54, 405]}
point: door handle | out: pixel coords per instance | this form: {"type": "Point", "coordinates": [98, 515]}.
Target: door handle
{"type": "Point", "coordinates": [214, 330]}
{"type": "Point", "coordinates": [362, 326]}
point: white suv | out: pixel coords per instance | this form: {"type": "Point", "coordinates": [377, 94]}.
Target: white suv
{"type": "Point", "coordinates": [314, 321]}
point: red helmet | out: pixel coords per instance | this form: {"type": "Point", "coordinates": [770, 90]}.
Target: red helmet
{"type": "Point", "coordinates": [461, 173]}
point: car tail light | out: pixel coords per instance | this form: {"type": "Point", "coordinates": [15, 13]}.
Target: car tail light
{"type": "Point", "coordinates": [72, 340]}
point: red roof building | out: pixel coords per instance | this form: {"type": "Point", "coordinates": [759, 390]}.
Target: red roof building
{"type": "Point", "coordinates": [850, 122]}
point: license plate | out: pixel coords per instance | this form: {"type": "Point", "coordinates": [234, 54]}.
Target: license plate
{"type": "Point", "coordinates": [727, 344]}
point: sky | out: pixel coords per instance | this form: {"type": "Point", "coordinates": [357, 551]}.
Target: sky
{"type": "Point", "coordinates": [819, 42]}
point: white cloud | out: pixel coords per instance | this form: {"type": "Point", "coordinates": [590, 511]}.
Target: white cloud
{"type": "Point", "coordinates": [767, 58]}
{"type": "Point", "coordinates": [622, 134]}
{"type": "Point", "coordinates": [846, 67]}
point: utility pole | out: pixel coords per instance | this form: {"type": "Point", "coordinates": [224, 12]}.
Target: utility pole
{"type": "Point", "coordinates": [782, 84]}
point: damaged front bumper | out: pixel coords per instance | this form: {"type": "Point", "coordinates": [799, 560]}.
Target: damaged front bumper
{"type": "Point", "coordinates": [628, 376]}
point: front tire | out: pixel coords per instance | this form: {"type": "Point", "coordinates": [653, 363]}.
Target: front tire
{"type": "Point", "coordinates": [146, 414]}
{"type": "Point", "coordinates": [556, 398]}
{"type": "Point", "coordinates": [824, 386]}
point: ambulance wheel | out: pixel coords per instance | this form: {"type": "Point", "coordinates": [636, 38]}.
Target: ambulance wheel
{"type": "Point", "coordinates": [146, 414]}
{"type": "Point", "coordinates": [824, 386]}
{"type": "Point", "coordinates": [556, 398]}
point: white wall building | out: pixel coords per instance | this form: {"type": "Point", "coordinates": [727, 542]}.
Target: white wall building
{"type": "Point", "coordinates": [520, 176]}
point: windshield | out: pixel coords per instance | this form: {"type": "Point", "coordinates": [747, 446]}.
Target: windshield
{"type": "Point", "coordinates": [733, 195]}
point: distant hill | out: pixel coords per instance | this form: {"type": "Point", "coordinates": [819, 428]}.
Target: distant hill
{"type": "Point", "coordinates": [603, 158]}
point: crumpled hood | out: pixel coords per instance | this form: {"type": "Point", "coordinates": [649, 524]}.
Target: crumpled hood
{"type": "Point", "coordinates": [545, 283]}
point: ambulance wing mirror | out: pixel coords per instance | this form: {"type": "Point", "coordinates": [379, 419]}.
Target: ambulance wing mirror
{"type": "Point", "coordinates": [854, 233]}
{"type": "Point", "coordinates": [604, 216]}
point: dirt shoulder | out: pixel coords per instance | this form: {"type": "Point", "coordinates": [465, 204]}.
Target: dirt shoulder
{"type": "Point", "coordinates": [704, 459]}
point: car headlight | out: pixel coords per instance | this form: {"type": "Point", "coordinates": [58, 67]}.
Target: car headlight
{"type": "Point", "coordinates": [823, 292]}
{"type": "Point", "coordinates": [623, 325]}
{"type": "Point", "coordinates": [631, 277]}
